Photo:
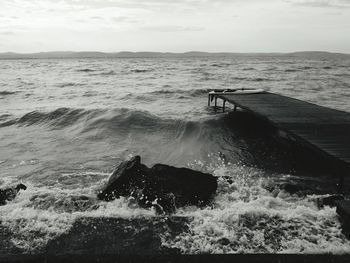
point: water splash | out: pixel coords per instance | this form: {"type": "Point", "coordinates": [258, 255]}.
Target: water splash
{"type": "Point", "coordinates": [246, 218]}
{"type": "Point", "coordinates": [39, 215]}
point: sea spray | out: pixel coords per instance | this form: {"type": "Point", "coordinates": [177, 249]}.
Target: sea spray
{"type": "Point", "coordinates": [243, 218]}
{"type": "Point", "coordinates": [246, 218]}
{"type": "Point", "coordinates": [40, 215]}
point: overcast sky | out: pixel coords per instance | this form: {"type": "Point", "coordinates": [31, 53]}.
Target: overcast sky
{"type": "Point", "coordinates": [175, 26]}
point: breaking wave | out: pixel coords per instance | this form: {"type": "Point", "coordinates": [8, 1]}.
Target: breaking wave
{"type": "Point", "coordinates": [6, 92]}
{"type": "Point", "coordinates": [40, 215]}
{"type": "Point", "coordinates": [86, 70]}
{"type": "Point", "coordinates": [141, 70]}
{"type": "Point", "coordinates": [252, 79]}
{"type": "Point", "coordinates": [69, 84]}
{"type": "Point", "coordinates": [244, 217]}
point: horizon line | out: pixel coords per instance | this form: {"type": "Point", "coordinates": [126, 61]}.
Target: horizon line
{"type": "Point", "coordinates": [174, 52]}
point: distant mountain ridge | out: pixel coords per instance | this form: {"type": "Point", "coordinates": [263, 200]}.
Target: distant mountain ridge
{"type": "Point", "coordinates": [128, 54]}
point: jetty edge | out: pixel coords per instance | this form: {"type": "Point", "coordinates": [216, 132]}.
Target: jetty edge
{"type": "Point", "coordinates": [324, 130]}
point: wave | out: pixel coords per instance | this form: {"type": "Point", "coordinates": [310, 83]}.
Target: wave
{"type": "Point", "coordinates": [252, 79]}
{"type": "Point", "coordinates": [171, 140]}
{"type": "Point", "coordinates": [306, 67]}
{"type": "Point", "coordinates": [162, 139]}
{"type": "Point", "coordinates": [86, 70]}
{"type": "Point", "coordinates": [194, 92]}
{"type": "Point", "coordinates": [59, 118]}
{"type": "Point", "coordinates": [167, 140]}
{"type": "Point", "coordinates": [244, 217]}
{"type": "Point", "coordinates": [6, 92]}
{"type": "Point", "coordinates": [69, 84]}
{"type": "Point", "coordinates": [144, 97]}
{"type": "Point", "coordinates": [125, 121]}
{"type": "Point", "coordinates": [166, 92]}
{"type": "Point", "coordinates": [5, 117]}
{"type": "Point", "coordinates": [39, 215]}
{"type": "Point", "coordinates": [104, 73]}
{"type": "Point", "coordinates": [108, 73]}
{"type": "Point", "coordinates": [115, 119]}
{"type": "Point", "coordinates": [95, 72]}
{"type": "Point", "coordinates": [220, 65]}
{"type": "Point", "coordinates": [141, 70]}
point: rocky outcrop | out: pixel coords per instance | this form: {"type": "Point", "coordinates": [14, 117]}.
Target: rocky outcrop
{"type": "Point", "coordinates": [330, 200]}
{"type": "Point", "coordinates": [162, 186]}
{"type": "Point", "coordinates": [9, 194]}
{"type": "Point", "coordinates": [118, 236]}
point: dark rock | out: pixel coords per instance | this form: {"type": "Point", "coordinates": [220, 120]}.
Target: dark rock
{"type": "Point", "coordinates": [291, 188]}
{"type": "Point", "coordinates": [224, 241]}
{"type": "Point", "coordinates": [126, 179]}
{"type": "Point", "coordinates": [162, 186]}
{"type": "Point", "coordinates": [329, 200]}
{"type": "Point", "coordinates": [9, 194]}
{"type": "Point", "coordinates": [228, 179]}
{"type": "Point", "coordinates": [297, 189]}
{"type": "Point", "coordinates": [189, 187]}
{"type": "Point", "coordinates": [119, 236]}
{"type": "Point", "coordinates": [343, 210]}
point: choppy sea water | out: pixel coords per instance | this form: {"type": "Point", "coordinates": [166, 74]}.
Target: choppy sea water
{"type": "Point", "coordinates": [66, 123]}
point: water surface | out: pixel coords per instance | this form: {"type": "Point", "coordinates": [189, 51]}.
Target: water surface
{"type": "Point", "coordinates": [66, 123]}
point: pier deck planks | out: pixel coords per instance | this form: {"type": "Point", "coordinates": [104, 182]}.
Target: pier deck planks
{"type": "Point", "coordinates": [324, 128]}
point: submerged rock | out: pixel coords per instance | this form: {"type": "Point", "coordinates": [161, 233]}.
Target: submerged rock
{"type": "Point", "coordinates": [118, 236]}
{"type": "Point", "coordinates": [9, 194]}
{"type": "Point", "coordinates": [329, 200]}
{"type": "Point", "coordinates": [343, 210]}
{"type": "Point", "coordinates": [290, 188]}
{"type": "Point", "coordinates": [223, 241]}
{"type": "Point", "coordinates": [162, 186]}
{"type": "Point", "coordinates": [63, 202]}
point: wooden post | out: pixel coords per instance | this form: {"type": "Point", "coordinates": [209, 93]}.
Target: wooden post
{"type": "Point", "coordinates": [216, 98]}
{"type": "Point", "coordinates": [340, 185]}
{"type": "Point", "coordinates": [208, 99]}
{"type": "Point", "coordinates": [235, 108]}
{"type": "Point", "coordinates": [223, 105]}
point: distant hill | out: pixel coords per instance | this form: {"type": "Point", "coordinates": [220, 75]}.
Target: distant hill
{"type": "Point", "coordinates": [127, 54]}
{"type": "Point", "coordinates": [319, 54]}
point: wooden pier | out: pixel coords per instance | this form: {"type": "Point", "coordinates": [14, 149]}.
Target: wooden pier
{"type": "Point", "coordinates": [324, 129]}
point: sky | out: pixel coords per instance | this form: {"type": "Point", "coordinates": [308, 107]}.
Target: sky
{"type": "Point", "coordinates": [175, 25]}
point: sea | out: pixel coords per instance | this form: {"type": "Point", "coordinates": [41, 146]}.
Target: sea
{"type": "Point", "coordinates": [65, 124]}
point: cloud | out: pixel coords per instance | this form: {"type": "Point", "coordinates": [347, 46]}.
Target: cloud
{"type": "Point", "coordinates": [95, 4]}
{"type": "Point", "coordinates": [321, 3]}
{"type": "Point", "coordinates": [96, 18]}
{"type": "Point", "coordinates": [7, 33]}
{"type": "Point", "coordinates": [172, 28]}
{"type": "Point", "coordinates": [152, 4]}
{"type": "Point", "coordinates": [120, 18]}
